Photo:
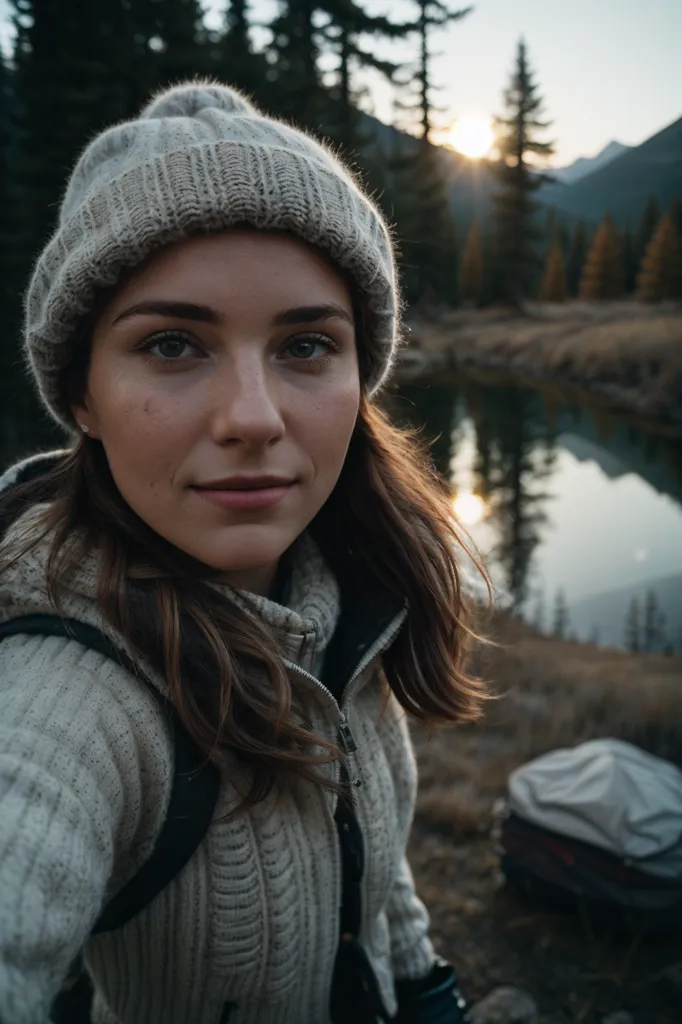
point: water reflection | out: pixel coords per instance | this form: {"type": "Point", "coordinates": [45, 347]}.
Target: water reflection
{"type": "Point", "coordinates": [583, 516]}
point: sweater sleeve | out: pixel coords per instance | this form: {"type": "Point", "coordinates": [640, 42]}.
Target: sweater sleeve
{"type": "Point", "coordinates": [70, 803]}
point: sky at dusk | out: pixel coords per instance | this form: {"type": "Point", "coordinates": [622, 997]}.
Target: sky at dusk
{"type": "Point", "coordinates": [608, 69]}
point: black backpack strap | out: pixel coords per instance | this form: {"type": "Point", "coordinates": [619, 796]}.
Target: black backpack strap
{"type": "Point", "coordinates": [194, 792]}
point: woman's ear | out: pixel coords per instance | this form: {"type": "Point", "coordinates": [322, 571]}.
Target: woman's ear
{"type": "Point", "coordinates": [85, 419]}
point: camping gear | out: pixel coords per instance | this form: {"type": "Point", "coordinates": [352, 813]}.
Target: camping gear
{"type": "Point", "coordinates": [598, 826]}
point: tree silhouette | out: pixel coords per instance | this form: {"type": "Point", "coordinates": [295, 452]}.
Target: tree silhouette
{"type": "Point", "coordinates": [561, 618]}
{"type": "Point", "coordinates": [577, 254]}
{"type": "Point", "coordinates": [660, 275]}
{"type": "Point", "coordinates": [514, 207]}
{"type": "Point", "coordinates": [553, 286]}
{"type": "Point", "coordinates": [471, 269]}
{"type": "Point", "coordinates": [602, 276]}
{"type": "Point", "coordinates": [633, 627]}
{"type": "Point", "coordinates": [649, 219]}
{"type": "Point", "coordinates": [431, 14]}
{"type": "Point", "coordinates": [348, 23]}
{"type": "Point", "coordinates": [653, 626]}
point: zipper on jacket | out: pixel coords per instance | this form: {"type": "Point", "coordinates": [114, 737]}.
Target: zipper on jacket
{"type": "Point", "coordinates": [345, 735]}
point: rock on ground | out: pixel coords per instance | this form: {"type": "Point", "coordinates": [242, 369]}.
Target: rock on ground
{"type": "Point", "coordinates": [505, 1005]}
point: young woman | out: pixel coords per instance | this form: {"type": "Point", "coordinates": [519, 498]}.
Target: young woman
{"type": "Point", "coordinates": [244, 560]}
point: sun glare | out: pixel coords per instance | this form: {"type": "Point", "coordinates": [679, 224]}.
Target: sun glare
{"type": "Point", "coordinates": [469, 508]}
{"type": "Point", "coordinates": [472, 136]}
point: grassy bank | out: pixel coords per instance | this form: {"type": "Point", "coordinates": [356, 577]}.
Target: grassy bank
{"type": "Point", "coordinates": [555, 693]}
{"type": "Point", "coordinates": [626, 356]}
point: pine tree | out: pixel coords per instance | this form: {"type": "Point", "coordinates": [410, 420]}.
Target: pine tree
{"type": "Point", "coordinates": [561, 620]}
{"type": "Point", "coordinates": [471, 269]}
{"type": "Point", "coordinates": [514, 207]}
{"type": "Point", "coordinates": [577, 254]}
{"type": "Point", "coordinates": [419, 204]}
{"type": "Point", "coordinates": [633, 627]}
{"type": "Point", "coordinates": [660, 275]}
{"type": "Point", "coordinates": [653, 627]}
{"type": "Point", "coordinates": [602, 276]}
{"type": "Point", "coordinates": [553, 287]}
{"type": "Point", "coordinates": [432, 14]}
{"type": "Point", "coordinates": [294, 51]}
{"type": "Point", "coordinates": [236, 60]}
{"type": "Point", "coordinates": [627, 248]}
{"type": "Point", "coordinates": [650, 218]}
{"type": "Point", "coordinates": [348, 23]}
{"type": "Point", "coordinates": [675, 211]}
{"type": "Point", "coordinates": [176, 38]}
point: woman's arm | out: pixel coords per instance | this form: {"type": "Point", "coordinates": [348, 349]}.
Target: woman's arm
{"type": "Point", "coordinates": [70, 802]}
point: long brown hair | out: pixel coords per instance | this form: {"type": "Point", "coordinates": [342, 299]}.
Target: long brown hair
{"type": "Point", "coordinates": [388, 523]}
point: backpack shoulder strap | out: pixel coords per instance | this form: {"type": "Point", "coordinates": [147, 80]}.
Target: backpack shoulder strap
{"type": "Point", "coordinates": [194, 791]}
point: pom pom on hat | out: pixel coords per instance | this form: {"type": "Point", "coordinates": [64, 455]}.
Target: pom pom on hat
{"type": "Point", "coordinates": [188, 100]}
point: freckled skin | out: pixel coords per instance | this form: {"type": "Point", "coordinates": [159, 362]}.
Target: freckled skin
{"type": "Point", "coordinates": [237, 397]}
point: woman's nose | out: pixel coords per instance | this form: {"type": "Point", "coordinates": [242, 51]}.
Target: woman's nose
{"type": "Point", "coordinates": [246, 403]}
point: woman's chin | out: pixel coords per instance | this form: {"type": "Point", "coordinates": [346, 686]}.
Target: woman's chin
{"type": "Point", "coordinates": [243, 549]}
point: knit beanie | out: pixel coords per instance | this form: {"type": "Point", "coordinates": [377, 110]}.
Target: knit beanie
{"type": "Point", "coordinates": [200, 158]}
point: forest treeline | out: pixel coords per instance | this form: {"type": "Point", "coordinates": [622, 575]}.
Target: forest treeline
{"type": "Point", "coordinates": [76, 68]}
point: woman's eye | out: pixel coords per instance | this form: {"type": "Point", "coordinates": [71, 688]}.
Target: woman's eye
{"type": "Point", "coordinates": [310, 346]}
{"type": "Point", "coordinates": [171, 347]}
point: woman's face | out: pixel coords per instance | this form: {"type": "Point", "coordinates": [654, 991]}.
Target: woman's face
{"type": "Point", "coordinates": [224, 387]}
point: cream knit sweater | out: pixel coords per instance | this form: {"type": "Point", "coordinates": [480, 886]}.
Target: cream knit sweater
{"type": "Point", "coordinates": [85, 770]}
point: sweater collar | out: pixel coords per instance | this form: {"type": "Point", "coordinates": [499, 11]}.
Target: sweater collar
{"type": "Point", "coordinates": [305, 624]}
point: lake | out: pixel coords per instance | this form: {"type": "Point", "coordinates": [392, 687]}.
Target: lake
{"type": "Point", "coordinates": [577, 513]}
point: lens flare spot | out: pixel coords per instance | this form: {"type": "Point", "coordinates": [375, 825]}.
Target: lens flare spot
{"type": "Point", "coordinates": [469, 508]}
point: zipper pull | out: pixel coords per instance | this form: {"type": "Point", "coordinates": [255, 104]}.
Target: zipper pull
{"type": "Point", "coordinates": [346, 736]}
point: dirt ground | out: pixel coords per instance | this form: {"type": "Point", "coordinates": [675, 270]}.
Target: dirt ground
{"type": "Point", "coordinates": [554, 693]}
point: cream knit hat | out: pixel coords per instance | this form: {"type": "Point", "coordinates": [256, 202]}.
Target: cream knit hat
{"type": "Point", "coordinates": [199, 158]}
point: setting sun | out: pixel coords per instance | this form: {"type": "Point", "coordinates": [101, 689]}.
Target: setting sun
{"type": "Point", "coordinates": [472, 136]}
{"type": "Point", "coordinates": [469, 508]}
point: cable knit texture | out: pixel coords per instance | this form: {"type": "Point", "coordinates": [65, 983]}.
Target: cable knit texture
{"type": "Point", "coordinates": [200, 158]}
{"type": "Point", "coordinates": [85, 769]}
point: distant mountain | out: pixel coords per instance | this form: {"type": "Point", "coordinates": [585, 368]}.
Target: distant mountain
{"type": "Point", "coordinates": [606, 613]}
{"type": "Point", "coordinates": [623, 186]}
{"type": "Point", "coordinates": [585, 165]}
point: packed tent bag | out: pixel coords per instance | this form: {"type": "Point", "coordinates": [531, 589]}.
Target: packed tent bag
{"type": "Point", "coordinates": [598, 825]}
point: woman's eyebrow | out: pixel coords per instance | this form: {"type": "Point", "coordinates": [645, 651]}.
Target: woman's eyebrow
{"type": "Point", "coordinates": [207, 315]}
{"type": "Point", "coordinates": [311, 314]}
{"type": "Point", "coordinates": [177, 310]}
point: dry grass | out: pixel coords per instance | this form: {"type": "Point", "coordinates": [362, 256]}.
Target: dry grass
{"type": "Point", "coordinates": [627, 353]}
{"type": "Point", "coordinates": [554, 693]}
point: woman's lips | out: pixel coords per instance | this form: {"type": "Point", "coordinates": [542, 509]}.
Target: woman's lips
{"type": "Point", "coordinates": [245, 499]}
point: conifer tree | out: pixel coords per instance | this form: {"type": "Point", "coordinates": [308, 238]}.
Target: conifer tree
{"type": "Point", "coordinates": [633, 625]}
{"type": "Point", "coordinates": [577, 254]}
{"type": "Point", "coordinates": [427, 235]}
{"type": "Point", "coordinates": [348, 23]}
{"type": "Point", "coordinates": [675, 211]}
{"type": "Point", "coordinates": [471, 269]}
{"type": "Point", "coordinates": [653, 626]}
{"type": "Point", "coordinates": [602, 276]}
{"type": "Point", "coordinates": [295, 49]}
{"type": "Point", "coordinates": [648, 221]}
{"type": "Point", "coordinates": [627, 248]}
{"type": "Point", "coordinates": [236, 59]}
{"type": "Point", "coordinates": [660, 275]}
{"type": "Point", "coordinates": [432, 14]}
{"type": "Point", "coordinates": [553, 287]}
{"type": "Point", "coordinates": [514, 207]}
{"type": "Point", "coordinates": [561, 619]}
